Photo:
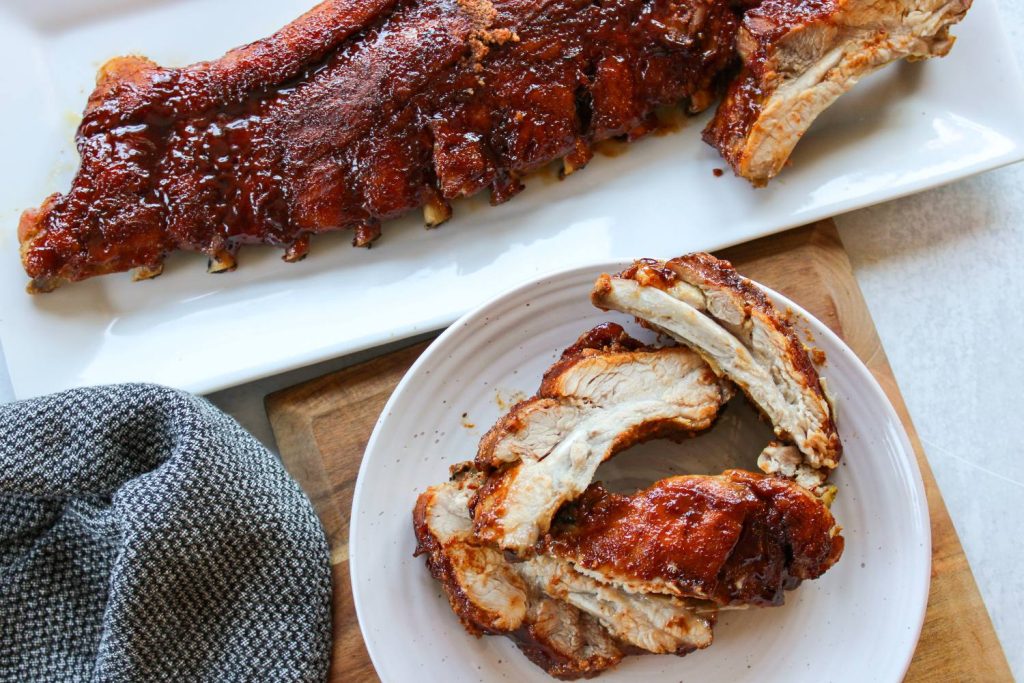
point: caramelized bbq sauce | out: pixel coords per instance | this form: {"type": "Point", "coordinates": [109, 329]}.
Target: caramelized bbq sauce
{"type": "Point", "coordinates": [650, 272]}
{"type": "Point", "coordinates": [420, 105]}
{"type": "Point", "coordinates": [741, 538]}
{"type": "Point", "coordinates": [794, 538]}
{"type": "Point", "coordinates": [682, 530]}
{"type": "Point", "coordinates": [606, 337]}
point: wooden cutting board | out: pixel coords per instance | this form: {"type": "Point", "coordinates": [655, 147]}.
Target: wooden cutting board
{"type": "Point", "coordinates": [322, 428]}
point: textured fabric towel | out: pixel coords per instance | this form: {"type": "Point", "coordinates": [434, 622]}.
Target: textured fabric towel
{"type": "Point", "coordinates": [145, 536]}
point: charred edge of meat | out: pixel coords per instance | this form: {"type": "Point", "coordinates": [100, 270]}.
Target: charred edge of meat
{"type": "Point", "coordinates": [604, 338]}
{"type": "Point", "coordinates": [538, 639]}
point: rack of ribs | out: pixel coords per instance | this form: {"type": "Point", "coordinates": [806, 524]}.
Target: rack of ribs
{"type": "Point", "coordinates": [358, 112]}
{"type": "Point", "coordinates": [362, 110]}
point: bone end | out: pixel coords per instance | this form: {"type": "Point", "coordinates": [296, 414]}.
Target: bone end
{"type": "Point", "coordinates": [298, 250]}
{"type": "Point", "coordinates": [577, 159]}
{"type": "Point", "coordinates": [602, 289]}
{"type": "Point", "coordinates": [366, 234]}
{"type": "Point", "coordinates": [436, 211]}
{"type": "Point", "coordinates": [44, 285]}
{"type": "Point", "coordinates": [140, 273]}
{"type": "Point", "coordinates": [221, 262]}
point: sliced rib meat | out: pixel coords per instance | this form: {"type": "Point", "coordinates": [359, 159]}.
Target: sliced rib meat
{"type": "Point", "coordinates": [799, 56]}
{"type": "Point", "coordinates": [564, 641]}
{"type": "Point", "coordinates": [605, 394]}
{"type": "Point", "coordinates": [737, 539]}
{"type": "Point", "coordinates": [484, 591]}
{"type": "Point", "coordinates": [704, 303]}
{"type": "Point", "coordinates": [488, 595]}
{"type": "Point", "coordinates": [660, 624]}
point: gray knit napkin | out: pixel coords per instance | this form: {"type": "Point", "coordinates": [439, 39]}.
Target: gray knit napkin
{"type": "Point", "coordinates": [145, 536]}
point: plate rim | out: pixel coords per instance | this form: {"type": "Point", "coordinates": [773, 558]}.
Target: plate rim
{"type": "Point", "coordinates": [909, 460]}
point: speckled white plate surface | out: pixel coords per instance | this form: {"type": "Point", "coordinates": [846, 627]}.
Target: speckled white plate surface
{"type": "Point", "coordinates": [907, 128]}
{"type": "Point", "coordinates": [860, 622]}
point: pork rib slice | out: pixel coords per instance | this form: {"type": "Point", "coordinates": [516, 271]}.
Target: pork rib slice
{"type": "Point", "coordinates": [660, 624]}
{"type": "Point", "coordinates": [484, 591]}
{"type": "Point", "coordinates": [738, 539]}
{"type": "Point", "coordinates": [488, 595]}
{"type": "Point", "coordinates": [800, 56]}
{"type": "Point", "coordinates": [605, 394]}
{"type": "Point", "coordinates": [569, 624]}
{"type": "Point", "coordinates": [704, 303]}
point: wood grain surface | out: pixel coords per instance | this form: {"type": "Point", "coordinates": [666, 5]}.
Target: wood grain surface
{"type": "Point", "coordinates": [322, 428]}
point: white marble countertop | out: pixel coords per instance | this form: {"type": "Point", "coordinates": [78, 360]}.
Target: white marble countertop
{"type": "Point", "coordinates": [942, 275]}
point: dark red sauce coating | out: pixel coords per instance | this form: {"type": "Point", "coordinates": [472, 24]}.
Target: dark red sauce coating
{"type": "Point", "coordinates": [738, 539]}
{"type": "Point", "coordinates": [608, 337]}
{"type": "Point", "coordinates": [650, 273]}
{"type": "Point", "coordinates": [356, 113]}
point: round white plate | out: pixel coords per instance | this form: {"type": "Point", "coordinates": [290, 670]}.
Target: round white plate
{"type": "Point", "coordinates": [859, 622]}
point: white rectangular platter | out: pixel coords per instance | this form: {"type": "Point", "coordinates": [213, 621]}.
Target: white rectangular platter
{"type": "Point", "coordinates": [910, 127]}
